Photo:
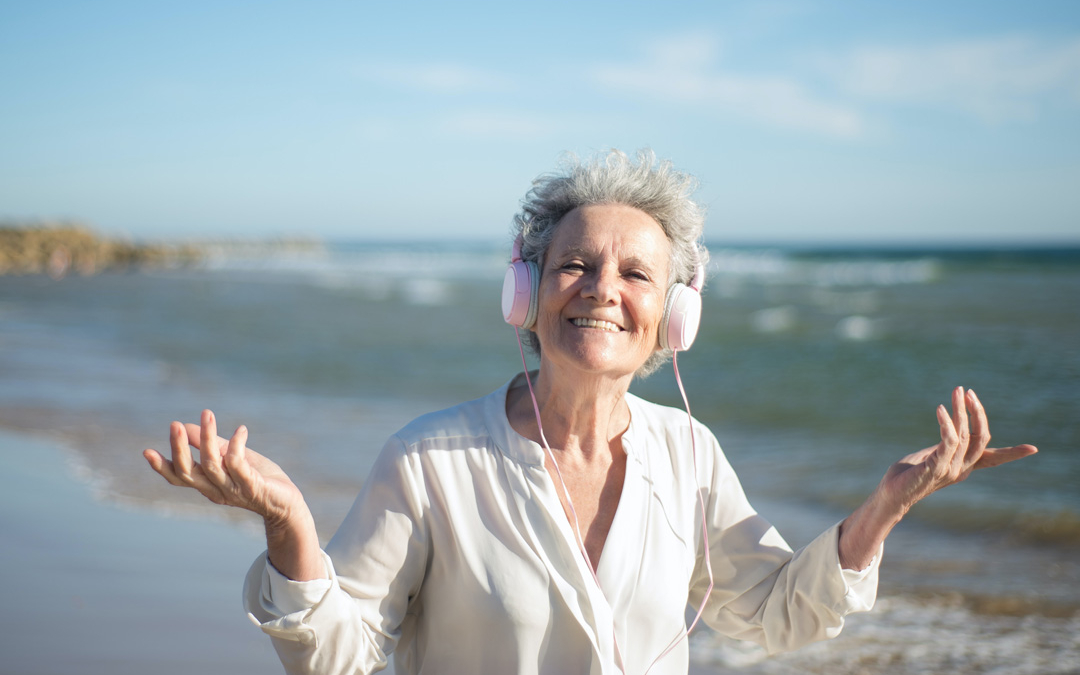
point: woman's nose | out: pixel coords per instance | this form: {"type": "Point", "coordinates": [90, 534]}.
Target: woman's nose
{"type": "Point", "coordinates": [602, 286]}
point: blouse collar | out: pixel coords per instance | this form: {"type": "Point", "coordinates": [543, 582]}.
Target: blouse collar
{"type": "Point", "coordinates": [528, 452]}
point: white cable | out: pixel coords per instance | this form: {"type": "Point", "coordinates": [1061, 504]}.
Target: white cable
{"type": "Point", "coordinates": [573, 512]}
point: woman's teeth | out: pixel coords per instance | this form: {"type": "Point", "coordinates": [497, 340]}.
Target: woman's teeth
{"type": "Point", "coordinates": [593, 323]}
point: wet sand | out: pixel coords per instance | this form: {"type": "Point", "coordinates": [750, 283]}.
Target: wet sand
{"type": "Point", "coordinates": [93, 587]}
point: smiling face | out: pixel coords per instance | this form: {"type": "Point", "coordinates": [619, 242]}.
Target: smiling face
{"type": "Point", "coordinates": [602, 290]}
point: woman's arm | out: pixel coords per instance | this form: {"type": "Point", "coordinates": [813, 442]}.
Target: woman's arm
{"type": "Point", "coordinates": [962, 449]}
{"type": "Point", "coordinates": [230, 473]}
{"type": "Point", "coordinates": [764, 592]}
{"type": "Point", "coordinates": [350, 622]}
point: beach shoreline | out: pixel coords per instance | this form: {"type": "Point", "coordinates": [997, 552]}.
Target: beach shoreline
{"type": "Point", "coordinates": [134, 586]}
{"type": "Point", "coordinates": [103, 588]}
{"type": "Point", "coordinates": [97, 369]}
{"type": "Point", "coordinates": [130, 587]}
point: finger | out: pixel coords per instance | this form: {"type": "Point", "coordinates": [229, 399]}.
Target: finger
{"type": "Point", "coordinates": [998, 456]}
{"type": "Point", "coordinates": [207, 432]}
{"type": "Point", "coordinates": [163, 467]}
{"type": "Point", "coordinates": [236, 460]}
{"type": "Point", "coordinates": [949, 437]}
{"type": "Point", "coordinates": [182, 463]}
{"type": "Point", "coordinates": [206, 487]}
{"type": "Point", "coordinates": [980, 429]}
{"type": "Point", "coordinates": [210, 451]}
{"type": "Point", "coordinates": [939, 460]}
{"type": "Point", "coordinates": [963, 431]}
{"type": "Point", "coordinates": [195, 479]}
{"type": "Point", "coordinates": [236, 455]}
{"type": "Point", "coordinates": [194, 431]}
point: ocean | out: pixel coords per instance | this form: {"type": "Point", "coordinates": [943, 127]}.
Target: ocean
{"type": "Point", "coordinates": [816, 369]}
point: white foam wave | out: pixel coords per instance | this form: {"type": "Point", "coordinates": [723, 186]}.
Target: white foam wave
{"type": "Point", "coordinates": [750, 263]}
{"type": "Point", "coordinates": [427, 292]}
{"type": "Point", "coordinates": [776, 267]}
{"type": "Point", "coordinates": [774, 319]}
{"type": "Point", "coordinates": [858, 328]}
{"type": "Point", "coordinates": [903, 636]}
{"type": "Point", "coordinates": [422, 274]}
{"type": "Point", "coordinates": [873, 273]}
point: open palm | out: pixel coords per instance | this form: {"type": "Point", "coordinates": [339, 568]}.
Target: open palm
{"type": "Point", "coordinates": [228, 472]}
{"type": "Point", "coordinates": [962, 449]}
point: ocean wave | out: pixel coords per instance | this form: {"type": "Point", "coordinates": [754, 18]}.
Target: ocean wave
{"type": "Point", "coordinates": [911, 636]}
{"type": "Point", "coordinates": [394, 261]}
{"type": "Point", "coordinates": [872, 272]}
{"type": "Point", "coordinates": [779, 267]}
{"type": "Point", "coordinates": [422, 275]}
{"type": "Point", "coordinates": [774, 319]}
{"type": "Point", "coordinates": [858, 328]}
{"type": "Point", "coordinates": [1030, 526]}
{"type": "Point", "coordinates": [1058, 528]}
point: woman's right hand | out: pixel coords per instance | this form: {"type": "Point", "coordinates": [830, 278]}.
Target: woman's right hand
{"type": "Point", "coordinates": [230, 473]}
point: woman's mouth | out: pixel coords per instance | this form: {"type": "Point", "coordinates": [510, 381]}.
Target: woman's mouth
{"type": "Point", "coordinates": [595, 323]}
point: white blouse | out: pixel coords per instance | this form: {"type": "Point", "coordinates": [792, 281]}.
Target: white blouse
{"type": "Point", "coordinates": [458, 558]}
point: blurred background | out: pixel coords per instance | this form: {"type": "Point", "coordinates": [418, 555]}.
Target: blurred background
{"type": "Point", "coordinates": [806, 121]}
{"type": "Point", "coordinates": [298, 215]}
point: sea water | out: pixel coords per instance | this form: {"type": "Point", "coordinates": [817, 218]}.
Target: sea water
{"type": "Point", "coordinates": [815, 369]}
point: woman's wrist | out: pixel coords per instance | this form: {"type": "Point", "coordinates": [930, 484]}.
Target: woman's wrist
{"type": "Point", "coordinates": [863, 532]}
{"type": "Point", "coordinates": [292, 545]}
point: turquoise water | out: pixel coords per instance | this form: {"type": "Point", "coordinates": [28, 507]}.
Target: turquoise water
{"type": "Point", "coordinates": [815, 369]}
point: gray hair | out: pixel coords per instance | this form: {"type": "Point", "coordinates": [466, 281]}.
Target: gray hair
{"type": "Point", "coordinates": [643, 183]}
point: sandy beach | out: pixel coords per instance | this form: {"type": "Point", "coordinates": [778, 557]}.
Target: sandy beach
{"type": "Point", "coordinates": [100, 587]}
{"type": "Point", "coordinates": [93, 587]}
{"type": "Point", "coordinates": [110, 589]}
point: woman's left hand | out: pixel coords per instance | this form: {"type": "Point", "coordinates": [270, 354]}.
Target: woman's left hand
{"type": "Point", "coordinates": [962, 449]}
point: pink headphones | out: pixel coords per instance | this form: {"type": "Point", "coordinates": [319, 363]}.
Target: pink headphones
{"type": "Point", "coordinates": [678, 327]}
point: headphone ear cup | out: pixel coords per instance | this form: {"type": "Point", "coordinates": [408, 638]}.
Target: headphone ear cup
{"type": "Point", "coordinates": [682, 316]}
{"type": "Point", "coordinates": [519, 294]}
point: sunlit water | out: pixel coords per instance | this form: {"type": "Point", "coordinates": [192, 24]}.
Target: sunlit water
{"type": "Point", "coordinates": [816, 370]}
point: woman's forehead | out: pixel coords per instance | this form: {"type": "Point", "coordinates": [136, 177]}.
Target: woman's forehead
{"type": "Point", "coordinates": [610, 228]}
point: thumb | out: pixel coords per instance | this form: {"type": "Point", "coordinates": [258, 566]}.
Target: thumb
{"type": "Point", "coordinates": [997, 456]}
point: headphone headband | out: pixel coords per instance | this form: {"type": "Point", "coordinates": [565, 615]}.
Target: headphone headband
{"type": "Point", "coordinates": [699, 273]}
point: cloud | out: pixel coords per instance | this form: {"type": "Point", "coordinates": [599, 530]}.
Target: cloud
{"type": "Point", "coordinates": [686, 70]}
{"type": "Point", "coordinates": [501, 125]}
{"type": "Point", "coordinates": [996, 79]}
{"type": "Point", "coordinates": [474, 124]}
{"type": "Point", "coordinates": [843, 94]}
{"type": "Point", "coordinates": [440, 78]}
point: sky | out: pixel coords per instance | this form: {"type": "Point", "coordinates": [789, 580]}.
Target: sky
{"type": "Point", "coordinates": [805, 122]}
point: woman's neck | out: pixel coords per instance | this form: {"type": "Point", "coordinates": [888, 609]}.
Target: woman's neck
{"type": "Point", "coordinates": [582, 414]}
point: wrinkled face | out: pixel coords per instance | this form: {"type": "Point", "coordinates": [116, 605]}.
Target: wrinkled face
{"type": "Point", "coordinates": [602, 290]}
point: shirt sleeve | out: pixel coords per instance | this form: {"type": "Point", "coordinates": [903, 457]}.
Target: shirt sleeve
{"type": "Point", "coordinates": [862, 585]}
{"type": "Point", "coordinates": [290, 596]}
{"type": "Point", "coordinates": [763, 591]}
{"type": "Point", "coordinates": [351, 621]}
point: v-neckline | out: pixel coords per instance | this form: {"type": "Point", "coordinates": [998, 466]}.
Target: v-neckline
{"type": "Point", "coordinates": [557, 478]}
{"type": "Point", "coordinates": [571, 515]}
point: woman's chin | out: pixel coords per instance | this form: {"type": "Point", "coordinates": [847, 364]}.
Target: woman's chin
{"type": "Point", "coordinates": [599, 363]}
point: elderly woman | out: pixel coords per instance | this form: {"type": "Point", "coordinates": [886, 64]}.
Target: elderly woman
{"type": "Point", "coordinates": [561, 524]}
